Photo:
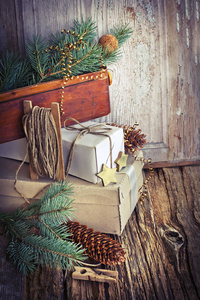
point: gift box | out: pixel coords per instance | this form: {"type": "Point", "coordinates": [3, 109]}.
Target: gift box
{"type": "Point", "coordinates": [91, 150]}
{"type": "Point", "coordinates": [106, 209]}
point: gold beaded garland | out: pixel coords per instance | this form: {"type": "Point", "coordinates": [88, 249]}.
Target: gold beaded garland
{"type": "Point", "coordinates": [66, 56]}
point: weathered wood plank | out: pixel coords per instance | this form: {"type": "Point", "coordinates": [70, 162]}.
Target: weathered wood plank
{"type": "Point", "coordinates": [45, 283]}
{"type": "Point", "coordinates": [11, 281]}
{"type": "Point", "coordinates": [162, 239]}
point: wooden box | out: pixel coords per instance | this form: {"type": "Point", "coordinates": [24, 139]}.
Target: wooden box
{"type": "Point", "coordinates": [86, 97]}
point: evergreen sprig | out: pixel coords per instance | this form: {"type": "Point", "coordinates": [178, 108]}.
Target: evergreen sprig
{"type": "Point", "coordinates": [38, 61]}
{"type": "Point", "coordinates": [122, 33]}
{"type": "Point", "coordinates": [70, 53]}
{"type": "Point", "coordinates": [14, 72]}
{"type": "Point", "coordinates": [37, 234]}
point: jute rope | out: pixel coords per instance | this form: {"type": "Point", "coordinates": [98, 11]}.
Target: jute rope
{"type": "Point", "coordinates": [41, 134]}
{"type": "Point", "coordinates": [42, 144]}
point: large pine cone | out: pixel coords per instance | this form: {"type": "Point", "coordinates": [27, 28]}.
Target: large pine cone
{"type": "Point", "coordinates": [98, 246]}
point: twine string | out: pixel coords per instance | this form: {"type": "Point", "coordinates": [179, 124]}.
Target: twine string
{"type": "Point", "coordinates": [41, 134]}
{"type": "Point", "coordinates": [42, 144]}
{"type": "Point", "coordinates": [98, 129]}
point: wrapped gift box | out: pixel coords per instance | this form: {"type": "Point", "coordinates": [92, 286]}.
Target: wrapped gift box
{"type": "Point", "coordinates": [91, 150]}
{"type": "Point", "coordinates": [106, 209]}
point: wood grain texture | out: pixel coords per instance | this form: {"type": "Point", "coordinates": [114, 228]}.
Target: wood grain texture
{"type": "Point", "coordinates": [11, 282]}
{"type": "Point", "coordinates": [162, 237]}
{"type": "Point", "coordinates": [85, 97]}
{"type": "Point", "coordinates": [27, 109]}
{"type": "Point", "coordinates": [56, 115]}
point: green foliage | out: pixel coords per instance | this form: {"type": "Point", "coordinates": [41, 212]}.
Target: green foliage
{"type": "Point", "coordinates": [14, 72]}
{"type": "Point", "coordinates": [37, 233]}
{"type": "Point", "coordinates": [38, 61]}
{"type": "Point", "coordinates": [86, 30]}
{"type": "Point", "coordinates": [122, 33]}
{"type": "Point", "coordinates": [70, 53]}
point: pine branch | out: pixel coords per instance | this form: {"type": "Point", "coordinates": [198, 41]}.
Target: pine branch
{"type": "Point", "coordinates": [37, 234]}
{"type": "Point", "coordinates": [38, 61]}
{"type": "Point", "coordinates": [110, 57]}
{"type": "Point", "coordinates": [86, 29]}
{"type": "Point", "coordinates": [14, 72]}
{"type": "Point", "coordinates": [70, 53]}
{"type": "Point", "coordinates": [33, 249]}
{"type": "Point", "coordinates": [122, 33]}
{"type": "Point", "coordinates": [87, 60]}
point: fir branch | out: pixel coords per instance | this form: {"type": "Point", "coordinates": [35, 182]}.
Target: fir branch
{"type": "Point", "coordinates": [23, 257]}
{"type": "Point", "coordinates": [32, 249]}
{"type": "Point", "coordinates": [85, 30]}
{"type": "Point", "coordinates": [38, 61]}
{"type": "Point", "coordinates": [110, 57]}
{"type": "Point", "coordinates": [51, 230]}
{"type": "Point", "coordinates": [14, 72]}
{"type": "Point", "coordinates": [76, 48]}
{"type": "Point", "coordinates": [122, 33]}
{"type": "Point", "coordinates": [37, 233]}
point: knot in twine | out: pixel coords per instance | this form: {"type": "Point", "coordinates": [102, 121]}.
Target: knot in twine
{"type": "Point", "coordinates": [98, 129]}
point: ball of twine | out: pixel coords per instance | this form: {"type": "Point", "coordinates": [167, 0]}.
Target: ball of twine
{"type": "Point", "coordinates": [41, 134]}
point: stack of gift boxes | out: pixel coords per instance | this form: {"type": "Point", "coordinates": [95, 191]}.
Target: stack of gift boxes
{"type": "Point", "coordinates": [106, 182]}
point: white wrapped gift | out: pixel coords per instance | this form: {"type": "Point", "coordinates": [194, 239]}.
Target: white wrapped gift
{"type": "Point", "coordinates": [91, 151]}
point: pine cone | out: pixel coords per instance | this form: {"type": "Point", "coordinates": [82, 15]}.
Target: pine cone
{"type": "Point", "coordinates": [98, 246]}
{"type": "Point", "coordinates": [133, 138]}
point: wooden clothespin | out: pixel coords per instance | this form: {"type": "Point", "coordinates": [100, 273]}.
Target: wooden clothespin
{"type": "Point", "coordinates": [56, 115]}
{"type": "Point", "coordinates": [100, 275]}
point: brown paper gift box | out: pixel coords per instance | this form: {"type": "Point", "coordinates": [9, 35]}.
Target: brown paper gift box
{"type": "Point", "coordinates": [106, 209]}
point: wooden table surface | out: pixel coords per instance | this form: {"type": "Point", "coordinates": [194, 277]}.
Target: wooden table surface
{"type": "Point", "coordinates": [162, 241]}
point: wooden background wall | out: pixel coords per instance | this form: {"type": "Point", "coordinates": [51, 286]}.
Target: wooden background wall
{"type": "Point", "coordinates": [157, 80]}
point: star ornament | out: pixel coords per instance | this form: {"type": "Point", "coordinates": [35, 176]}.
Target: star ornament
{"type": "Point", "coordinates": [121, 160]}
{"type": "Point", "coordinates": [107, 175]}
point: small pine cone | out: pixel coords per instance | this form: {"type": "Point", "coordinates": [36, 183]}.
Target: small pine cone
{"type": "Point", "coordinates": [98, 246]}
{"type": "Point", "coordinates": [133, 138]}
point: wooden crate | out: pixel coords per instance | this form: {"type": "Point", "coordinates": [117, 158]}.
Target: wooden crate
{"type": "Point", "coordinates": [86, 97]}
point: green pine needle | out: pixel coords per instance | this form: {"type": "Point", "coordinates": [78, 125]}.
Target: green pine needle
{"type": "Point", "coordinates": [37, 233]}
{"type": "Point", "coordinates": [14, 72]}
{"type": "Point", "coordinates": [39, 61]}
{"type": "Point", "coordinates": [122, 33]}
{"type": "Point", "coordinates": [53, 59]}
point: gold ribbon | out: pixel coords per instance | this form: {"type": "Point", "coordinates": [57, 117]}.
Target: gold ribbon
{"type": "Point", "coordinates": [97, 129]}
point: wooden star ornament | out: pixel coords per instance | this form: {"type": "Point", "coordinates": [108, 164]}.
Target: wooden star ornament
{"type": "Point", "coordinates": [107, 175]}
{"type": "Point", "coordinates": [121, 160]}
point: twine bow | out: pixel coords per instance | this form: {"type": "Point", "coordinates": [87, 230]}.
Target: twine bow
{"type": "Point", "coordinates": [97, 129]}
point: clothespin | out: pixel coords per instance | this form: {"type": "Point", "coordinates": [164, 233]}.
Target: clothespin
{"type": "Point", "coordinates": [100, 275]}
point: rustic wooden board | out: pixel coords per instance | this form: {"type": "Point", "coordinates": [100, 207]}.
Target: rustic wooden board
{"type": "Point", "coordinates": [162, 239]}
{"type": "Point", "coordinates": [11, 281]}
{"type": "Point", "coordinates": [86, 97]}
